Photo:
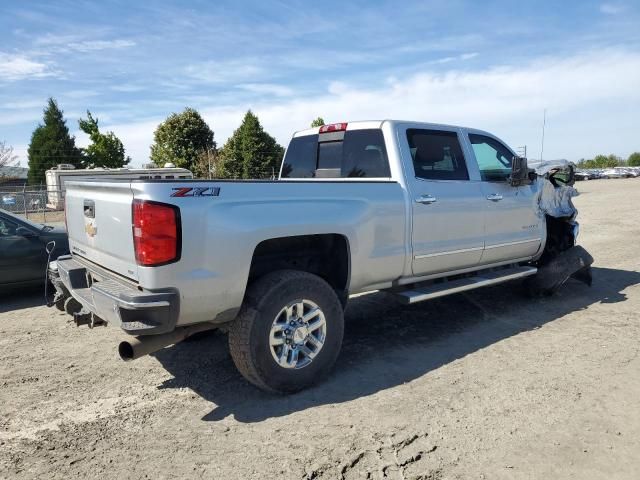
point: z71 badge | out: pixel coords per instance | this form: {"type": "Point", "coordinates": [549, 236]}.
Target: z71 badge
{"type": "Point", "coordinates": [196, 192]}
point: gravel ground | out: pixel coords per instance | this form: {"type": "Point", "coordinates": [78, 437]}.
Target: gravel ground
{"type": "Point", "coordinates": [486, 384]}
{"type": "Point", "coordinates": [53, 218]}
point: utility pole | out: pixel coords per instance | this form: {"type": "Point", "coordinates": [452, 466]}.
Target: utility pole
{"type": "Point", "coordinates": [544, 122]}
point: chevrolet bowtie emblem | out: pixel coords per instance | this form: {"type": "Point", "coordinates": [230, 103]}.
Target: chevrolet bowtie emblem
{"type": "Point", "coordinates": [91, 229]}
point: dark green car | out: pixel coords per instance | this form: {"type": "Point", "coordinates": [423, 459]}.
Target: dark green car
{"type": "Point", "coordinates": [23, 256]}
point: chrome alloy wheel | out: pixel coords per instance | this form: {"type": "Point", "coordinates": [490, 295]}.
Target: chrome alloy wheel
{"type": "Point", "coordinates": [297, 334]}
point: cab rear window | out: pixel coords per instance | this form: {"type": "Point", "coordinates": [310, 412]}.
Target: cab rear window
{"type": "Point", "coordinates": [356, 154]}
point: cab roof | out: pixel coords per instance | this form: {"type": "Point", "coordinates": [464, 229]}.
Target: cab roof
{"type": "Point", "coordinates": [366, 124]}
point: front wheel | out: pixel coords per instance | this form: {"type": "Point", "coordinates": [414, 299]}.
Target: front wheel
{"type": "Point", "coordinates": [289, 331]}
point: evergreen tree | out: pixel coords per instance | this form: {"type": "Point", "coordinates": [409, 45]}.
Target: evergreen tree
{"type": "Point", "coordinates": [105, 150]}
{"type": "Point", "coordinates": [250, 152]}
{"type": "Point", "coordinates": [51, 145]}
{"type": "Point", "coordinates": [181, 139]}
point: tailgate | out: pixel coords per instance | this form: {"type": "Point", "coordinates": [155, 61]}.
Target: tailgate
{"type": "Point", "coordinates": [99, 224]}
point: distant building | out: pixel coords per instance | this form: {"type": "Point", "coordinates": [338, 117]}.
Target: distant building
{"type": "Point", "coordinates": [13, 177]}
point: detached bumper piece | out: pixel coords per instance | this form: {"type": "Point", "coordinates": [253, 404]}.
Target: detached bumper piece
{"type": "Point", "coordinates": [574, 262]}
{"type": "Point", "coordinates": [94, 299]}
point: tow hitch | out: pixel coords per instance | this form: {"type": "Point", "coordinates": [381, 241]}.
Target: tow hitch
{"type": "Point", "coordinates": [87, 318]}
{"type": "Point", "coordinates": [64, 302]}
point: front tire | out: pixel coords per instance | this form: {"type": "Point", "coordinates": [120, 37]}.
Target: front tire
{"type": "Point", "coordinates": [289, 331]}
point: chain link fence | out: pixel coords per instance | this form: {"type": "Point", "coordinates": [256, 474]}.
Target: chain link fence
{"type": "Point", "coordinates": [34, 203]}
{"type": "Point", "coordinates": [44, 205]}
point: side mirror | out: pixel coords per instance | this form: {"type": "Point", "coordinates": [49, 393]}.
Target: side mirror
{"type": "Point", "coordinates": [519, 172]}
{"type": "Point", "coordinates": [25, 232]}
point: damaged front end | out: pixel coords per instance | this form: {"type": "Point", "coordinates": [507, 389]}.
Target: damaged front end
{"type": "Point", "coordinates": [562, 258]}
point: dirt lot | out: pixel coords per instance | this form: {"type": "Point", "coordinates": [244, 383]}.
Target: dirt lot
{"type": "Point", "coordinates": [46, 217]}
{"type": "Point", "coordinates": [480, 385]}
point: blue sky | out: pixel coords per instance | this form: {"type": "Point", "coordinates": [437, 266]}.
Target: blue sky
{"type": "Point", "coordinates": [491, 65]}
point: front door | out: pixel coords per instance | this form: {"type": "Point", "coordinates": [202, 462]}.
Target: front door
{"type": "Point", "coordinates": [448, 209]}
{"type": "Point", "coordinates": [513, 229]}
{"type": "Point", "coordinates": [22, 259]}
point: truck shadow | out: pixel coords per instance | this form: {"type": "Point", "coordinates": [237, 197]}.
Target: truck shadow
{"type": "Point", "coordinates": [387, 344]}
{"type": "Point", "coordinates": [20, 298]}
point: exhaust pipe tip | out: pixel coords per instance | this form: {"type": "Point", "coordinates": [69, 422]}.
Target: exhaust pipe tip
{"type": "Point", "coordinates": [125, 350]}
{"type": "Point", "coordinates": [144, 345]}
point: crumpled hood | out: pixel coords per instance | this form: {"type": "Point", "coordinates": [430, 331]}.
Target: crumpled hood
{"type": "Point", "coordinates": [542, 167]}
{"type": "Point", "coordinates": [556, 201]}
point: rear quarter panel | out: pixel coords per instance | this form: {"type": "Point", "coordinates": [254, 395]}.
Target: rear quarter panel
{"type": "Point", "coordinates": [220, 234]}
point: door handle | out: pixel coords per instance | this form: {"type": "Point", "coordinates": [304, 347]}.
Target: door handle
{"type": "Point", "coordinates": [494, 197]}
{"type": "Point", "coordinates": [426, 199]}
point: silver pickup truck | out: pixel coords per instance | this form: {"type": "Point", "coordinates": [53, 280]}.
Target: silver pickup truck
{"type": "Point", "coordinates": [416, 209]}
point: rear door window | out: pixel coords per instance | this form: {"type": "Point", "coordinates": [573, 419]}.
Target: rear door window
{"type": "Point", "coordinates": [436, 155]}
{"type": "Point", "coordinates": [355, 154]}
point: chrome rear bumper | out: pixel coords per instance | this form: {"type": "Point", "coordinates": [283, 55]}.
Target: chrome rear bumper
{"type": "Point", "coordinates": [136, 311]}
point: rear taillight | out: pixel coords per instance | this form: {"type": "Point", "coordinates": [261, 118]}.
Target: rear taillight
{"type": "Point", "coordinates": [156, 233]}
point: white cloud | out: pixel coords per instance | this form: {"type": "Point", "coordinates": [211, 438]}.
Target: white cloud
{"type": "Point", "coordinates": [225, 71]}
{"type": "Point", "coordinates": [592, 101]}
{"type": "Point", "coordinates": [23, 104]}
{"type": "Point", "coordinates": [463, 57]}
{"type": "Point", "coordinates": [53, 39]}
{"type": "Point", "coordinates": [611, 8]}
{"type": "Point", "coordinates": [127, 87]}
{"type": "Point", "coordinates": [17, 117]}
{"type": "Point", "coordinates": [49, 43]}
{"type": "Point", "coordinates": [19, 67]}
{"type": "Point", "coordinates": [468, 56]}
{"type": "Point", "coordinates": [80, 94]}
{"type": "Point", "coordinates": [95, 45]}
{"type": "Point", "coordinates": [267, 89]}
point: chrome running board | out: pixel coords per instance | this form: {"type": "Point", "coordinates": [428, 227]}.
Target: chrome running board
{"type": "Point", "coordinates": [482, 279]}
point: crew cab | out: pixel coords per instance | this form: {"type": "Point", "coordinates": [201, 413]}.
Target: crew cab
{"type": "Point", "coordinates": [417, 209]}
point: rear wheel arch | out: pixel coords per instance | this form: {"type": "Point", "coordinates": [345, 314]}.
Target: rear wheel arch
{"type": "Point", "coordinates": [325, 255]}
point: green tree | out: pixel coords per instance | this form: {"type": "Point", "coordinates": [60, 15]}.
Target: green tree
{"type": "Point", "coordinates": [105, 150]}
{"type": "Point", "coordinates": [601, 161]}
{"type": "Point", "coordinates": [250, 152]}
{"type": "Point", "coordinates": [318, 122]}
{"type": "Point", "coordinates": [606, 161]}
{"type": "Point", "coordinates": [51, 144]}
{"type": "Point", "coordinates": [634, 159]}
{"type": "Point", "coordinates": [181, 139]}
{"type": "Point", "coordinates": [207, 165]}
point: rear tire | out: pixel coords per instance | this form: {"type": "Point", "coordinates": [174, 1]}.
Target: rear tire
{"type": "Point", "coordinates": [289, 331]}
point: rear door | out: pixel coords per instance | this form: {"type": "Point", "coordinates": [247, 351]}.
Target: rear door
{"type": "Point", "coordinates": [99, 222]}
{"type": "Point", "coordinates": [447, 207]}
{"type": "Point", "coordinates": [513, 229]}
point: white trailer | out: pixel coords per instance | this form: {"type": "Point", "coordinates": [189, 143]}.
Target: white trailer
{"type": "Point", "coordinates": [57, 177]}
